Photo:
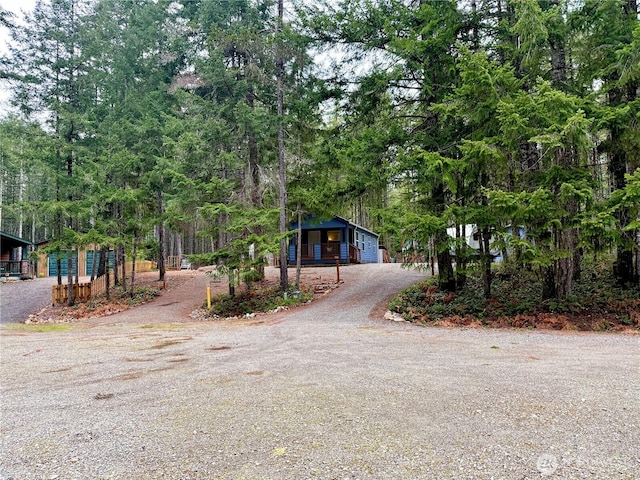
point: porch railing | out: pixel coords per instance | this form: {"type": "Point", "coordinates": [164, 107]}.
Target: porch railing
{"type": "Point", "coordinates": [22, 268]}
{"type": "Point", "coordinates": [329, 251]}
{"type": "Point", "coordinates": [306, 251]}
{"type": "Point", "coordinates": [354, 254]}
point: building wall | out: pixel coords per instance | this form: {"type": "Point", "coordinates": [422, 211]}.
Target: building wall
{"type": "Point", "coordinates": [368, 245]}
{"type": "Point", "coordinates": [366, 241]}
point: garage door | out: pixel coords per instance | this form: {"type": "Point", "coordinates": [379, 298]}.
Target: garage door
{"type": "Point", "coordinates": [53, 265]}
{"type": "Point", "coordinates": [89, 262]}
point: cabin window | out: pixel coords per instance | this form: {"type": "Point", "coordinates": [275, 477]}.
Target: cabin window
{"type": "Point", "coordinates": [314, 237]}
{"type": "Point", "coordinates": [333, 235]}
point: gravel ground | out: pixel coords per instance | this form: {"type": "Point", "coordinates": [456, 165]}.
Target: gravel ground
{"type": "Point", "coordinates": [21, 298]}
{"type": "Point", "coordinates": [327, 391]}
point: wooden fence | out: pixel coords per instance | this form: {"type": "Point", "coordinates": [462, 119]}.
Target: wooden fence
{"type": "Point", "coordinates": [172, 262]}
{"type": "Point", "coordinates": [82, 292]}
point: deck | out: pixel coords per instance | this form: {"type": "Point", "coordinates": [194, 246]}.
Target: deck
{"type": "Point", "coordinates": [17, 268]}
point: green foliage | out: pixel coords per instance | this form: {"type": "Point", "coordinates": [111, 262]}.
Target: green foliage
{"type": "Point", "coordinates": [517, 293]}
{"type": "Point", "coordinates": [263, 299]}
{"type": "Point", "coordinates": [198, 260]}
{"type": "Point", "coordinates": [141, 294]}
{"type": "Point", "coordinates": [162, 117]}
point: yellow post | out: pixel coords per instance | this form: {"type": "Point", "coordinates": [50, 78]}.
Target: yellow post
{"type": "Point", "coordinates": [209, 296]}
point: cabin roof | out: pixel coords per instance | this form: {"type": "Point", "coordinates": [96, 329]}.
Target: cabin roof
{"type": "Point", "coordinates": [11, 241]}
{"type": "Point", "coordinates": [308, 221]}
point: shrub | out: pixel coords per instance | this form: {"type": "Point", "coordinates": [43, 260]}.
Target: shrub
{"type": "Point", "coordinates": [597, 303]}
{"type": "Point", "coordinates": [257, 300]}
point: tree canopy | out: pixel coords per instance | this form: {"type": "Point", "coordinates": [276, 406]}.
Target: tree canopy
{"type": "Point", "coordinates": [181, 126]}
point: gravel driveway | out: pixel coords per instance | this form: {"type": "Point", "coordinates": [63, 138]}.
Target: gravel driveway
{"type": "Point", "coordinates": [21, 298]}
{"type": "Point", "coordinates": [327, 391]}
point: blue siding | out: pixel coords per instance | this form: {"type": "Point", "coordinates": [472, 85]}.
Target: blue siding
{"type": "Point", "coordinates": [368, 246]}
{"type": "Point", "coordinates": [365, 241]}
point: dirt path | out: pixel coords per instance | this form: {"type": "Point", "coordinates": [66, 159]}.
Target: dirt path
{"type": "Point", "coordinates": [327, 391]}
{"type": "Point", "coordinates": [173, 305]}
{"type": "Point", "coordinates": [365, 287]}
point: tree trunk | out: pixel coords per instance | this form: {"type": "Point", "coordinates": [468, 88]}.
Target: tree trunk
{"type": "Point", "coordinates": [71, 296]}
{"type": "Point", "coordinates": [116, 266]}
{"type": "Point", "coordinates": [179, 248]}
{"type": "Point", "coordinates": [161, 264]}
{"type": "Point", "coordinates": [133, 267]}
{"type": "Point", "coordinates": [446, 276]}
{"type": "Point", "coordinates": [284, 275]}
{"type": "Point", "coordinates": [232, 282]}
{"type": "Point", "coordinates": [21, 190]}
{"type": "Point", "coordinates": [59, 267]}
{"type": "Point", "coordinates": [548, 283]}
{"type": "Point", "coordinates": [485, 249]}
{"type": "Point", "coordinates": [529, 157]}
{"type": "Point", "coordinates": [618, 167]}
{"type": "Point", "coordinates": [564, 271]}
{"type": "Point", "coordinates": [461, 256]}
{"type": "Point", "coordinates": [123, 265]}
{"type": "Point", "coordinates": [299, 247]}
{"type": "Point", "coordinates": [566, 240]}
{"type": "Point", "coordinates": [103, 264]}
{"type": "Point", "coordinates": [558, 55]}
{"type": "Point", "coordinates": [638, 254]}
{"type": "Point", "coordinates": [94, 264]}
{"type": "Point", "coordinates": [107, 277]}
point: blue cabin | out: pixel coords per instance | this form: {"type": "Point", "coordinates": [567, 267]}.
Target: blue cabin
{"type": "Point", "coordinates": [337, 239]}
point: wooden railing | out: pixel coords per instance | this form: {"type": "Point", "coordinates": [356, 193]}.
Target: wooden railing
{"type": "Point", "coordinates": [330, 250]}
{"type": "Point", "coordinates": [306, 251]}
{"type": "Point", "coordinates": [172, 262]}
{"type": "Point", "coordinates": [354, 254]}
{"type": "Point", "coordinates": [99, 285]}
{"type": "Point", "coordinates": [22, 268]}
{"type": "Point", "coordinates": [82, 292]}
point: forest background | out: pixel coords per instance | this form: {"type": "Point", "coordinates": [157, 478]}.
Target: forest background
{"type": "Point", "coordinates": [174, 127]}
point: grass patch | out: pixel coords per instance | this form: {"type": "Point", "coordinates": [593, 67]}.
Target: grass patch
{"type": "Point", "coordinates": [168, 326]}
{"type": "Point", "coordinates": [38, 327]}
{"type": "Point", "coordinates": [597, 302]}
